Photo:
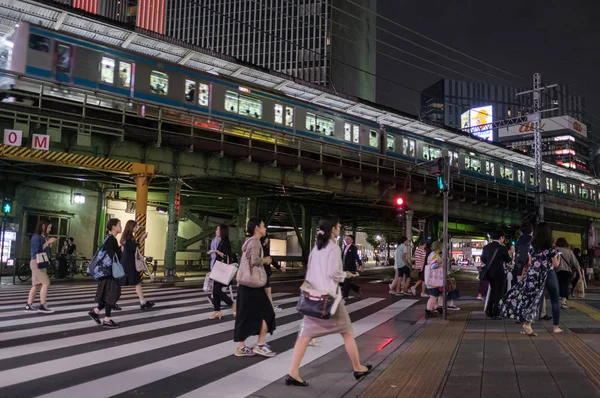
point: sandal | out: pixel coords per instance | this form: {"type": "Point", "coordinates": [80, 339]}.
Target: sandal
{"type": "Point", "coordinates": [557, 331]}
{"type": "Point", "coordinates": [529, 332]}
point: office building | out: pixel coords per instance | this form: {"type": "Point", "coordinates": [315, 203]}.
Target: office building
{"type": "Point", "coordinates": [312, 40]}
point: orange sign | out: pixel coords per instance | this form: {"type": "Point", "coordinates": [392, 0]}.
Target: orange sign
{"type": "Point", "coordinates": [528, 127]}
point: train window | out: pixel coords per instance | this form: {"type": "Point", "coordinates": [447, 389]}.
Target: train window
{"type": "Point", "coordinates": [159, 83]}
{"type": "Point", "coordinates": [374, 138]}
{"type": "Point", "coordinates": [473, 164]}
{"type": "Point", "coordinates": [430, 153]}
{"type": "Point", "coordinates": [507, 173]}
{"type": "Point", "coordinates": [489, 168]}
{"type": "Point", "coordinates": [355, 134]}
{"type": "Point", "coordinates": [63, 58]}
{"type": "Point", "coordinates": [453, 158]}
{"type": "Point", "coordinates": [107, 70]}
{"type": "Point", "coordinates": [231, 101]}
{"type": "Point", "coordinates": [190, 90]}
{"type": "Point", "coordinates": [593, 194]}
{"type": "Point", "coordinates": [572, 189]}
{"type": "Point", "coordinates": [125, 74]}
{"type": "Point", "coordinates": [521, 176]}
{"type": "Point", "coordinates": [408, 147]}
{"type": "Point", "coordinates": [347, 131]}
{"type": "Point", "coordinates": [531, 179]}
{"type": "Point", "coordinates": [320, 124]}
{"type": "Point", "coordinates": [390, 142]}
{"type": "Point", "coordinates": [549, 184]}
{"type": "Point", "coordinates": [278, 113]}
{"type": "Point", "coordinates": [289, 117]}
{"type": "Point", "coordinates": [204, 94]}
{"type": "Point", "coordinates": [251, 107]}
{"type": "Point", "coordinates": [311, 121]}
{"type": "Point", "coordinates": [39, 43]}
{"type": "Point", "coordinates": [584, 193]}
{"type": "Point", "coordinates": [562, 187]}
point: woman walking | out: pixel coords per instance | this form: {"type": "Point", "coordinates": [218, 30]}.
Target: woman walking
{"type": "Point", "coordinates": [132, 275]}
{"type": "Point", "coordinates": [109, 289]}
{"type": "Point", "coordinates": [325, 273]}
{"type": "Point", "coordinates": [255, 314]}
{"type": "Point", "coordinates": [222, 253]}
{"type": "Point", "coordinates": [522, 302]}
{"type": "Point", "coordinates": [568, 267]}
{"type": "Point", "coordinates": [40, 244]}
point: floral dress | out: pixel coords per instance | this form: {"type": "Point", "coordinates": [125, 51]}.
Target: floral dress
{"type": "Point", "coordinates": [522, 301]}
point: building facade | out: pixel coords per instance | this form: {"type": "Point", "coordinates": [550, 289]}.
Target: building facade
{"type": "Point", "coordinates": [318, 41]}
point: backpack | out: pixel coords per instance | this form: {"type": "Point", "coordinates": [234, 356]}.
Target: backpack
{"type": "Point", "coordinates": [522, 254]}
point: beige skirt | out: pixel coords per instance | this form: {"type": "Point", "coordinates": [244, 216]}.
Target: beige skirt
{"type": "Point", "coordinates": [317, 327]}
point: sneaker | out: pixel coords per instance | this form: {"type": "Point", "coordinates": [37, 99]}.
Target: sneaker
{"type": "Point", "coordinates": [453, 308]}
{"type": "Point", "coordinates": [424, 295]}
{"type": "Point", "coordinates": [413, 291]}
{"type": "Point", "coordinates": [110, 324]}
{"type": "Point", "coordinates": [95, 317]}
{"type": "Point", "coordinates": [30, 308]}
{"type": "Point", "coordinates": [45, 309]}
{"type": "Point", "coordinates": [264, 350]}
{"type": "Point", "coordinates": [277, 308]}
{"type": "Point", "coordinates": [147, 305]}
{"type": "Point", "coordinates": [391, 292]}
{"type": "Point", "coordinates": [315, 342]}
{"type": "Point", "coordinates": [244, 352]}
{"type": "Point", "coordinates": [116, 308]}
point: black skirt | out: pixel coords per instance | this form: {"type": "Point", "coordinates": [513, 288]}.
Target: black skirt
{"type": "Point", "coordinates": [253, 306]}
{"type": "Point", "coordinates": [108, 291]}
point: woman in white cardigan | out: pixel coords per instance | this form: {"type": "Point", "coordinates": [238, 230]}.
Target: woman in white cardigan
{"type": "Point", "coordinates": [325, 274]}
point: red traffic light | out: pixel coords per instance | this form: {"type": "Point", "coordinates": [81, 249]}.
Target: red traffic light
{"type": "Point", "coordinates": [399, 201]}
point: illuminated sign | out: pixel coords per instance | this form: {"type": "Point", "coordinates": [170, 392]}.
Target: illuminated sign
{"type": "Point", "coordinates": [478, 122]}
{"type": "Point", "coordinates": [557, 123]}
{"type": "Point", "coordinates": [244, 89]}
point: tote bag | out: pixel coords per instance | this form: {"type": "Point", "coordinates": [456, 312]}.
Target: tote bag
{"type": "Point", "coordinates": [223, 273]}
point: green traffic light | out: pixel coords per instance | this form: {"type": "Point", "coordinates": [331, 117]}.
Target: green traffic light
{"type": "Point", "coordinates": [440, 182]}
{"type": "Point", "coordinates": [7, 207]}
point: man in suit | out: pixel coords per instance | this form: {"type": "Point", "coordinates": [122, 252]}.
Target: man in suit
{"type": "Point", "coordinates": [350, 258]}
{"type": "Point", "coordinates": [494, 256]}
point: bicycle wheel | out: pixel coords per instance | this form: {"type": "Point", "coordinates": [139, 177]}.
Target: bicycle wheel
{"type": "Point", "coordinates": [84, 268]}
{"type": "Point", "coordinates": [50, 271]}
{"type": "Point", "coordinates": [24, 273]}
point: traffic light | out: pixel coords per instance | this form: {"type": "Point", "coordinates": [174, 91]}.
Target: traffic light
{"type": "Point", "coordinates": [7, 206]}
{"type": "Point", "coordinates": [399, 202]}
{"type": "Point", "coordinates": [442, 173]}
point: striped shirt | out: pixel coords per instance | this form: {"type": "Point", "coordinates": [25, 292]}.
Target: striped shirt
{"type": "Point", "coordinates": [419, 258]}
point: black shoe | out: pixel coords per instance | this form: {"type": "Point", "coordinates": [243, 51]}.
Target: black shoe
{"type": "Point", "coordinates": [116, 308]}
{"type": "Point", "coordinates": [430, 313]}
{"type": "Point", "coordinates": [95, 317]}
{"type": "Point", "coordinates": [110, 324]}
{"type": "Point", "coordinates": [358, 375]}
{"type": "Point", "coordinates": [147, 305]}
{"type": "Point", "coordinates": [290, 381]}
{"type": "Point", "coordinates": [545, 318]}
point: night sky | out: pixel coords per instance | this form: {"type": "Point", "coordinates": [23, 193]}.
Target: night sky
{"type": "Point", "coordinates": [501, 33]}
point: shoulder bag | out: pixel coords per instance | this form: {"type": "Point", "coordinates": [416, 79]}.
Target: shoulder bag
{"type": "Point", "coordinates": [317, 304]}
{"type": "Point", "coordinates": [42, 257]}
{"type": "Point", "coordinates": [435, 276]}
{"type": "Point", "coordinates": [223, 272]}
{"type": "Point", "coordinates": [250, 276]}
{"type": "Point", "coordinates": [485, 270]}
{"type": "Point", "coordinates": [140, 262]}
{"type": "Point", "coordinates": [117, 269]}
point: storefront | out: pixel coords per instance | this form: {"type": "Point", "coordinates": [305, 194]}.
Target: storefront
{"type": "Point", "coordinates": [467, 252]}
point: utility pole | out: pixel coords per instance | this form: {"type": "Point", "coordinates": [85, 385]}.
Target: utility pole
{"type": "Point", "coordinates": [446, 175]}
{"type": "Point", "coordinates": [536, 145]}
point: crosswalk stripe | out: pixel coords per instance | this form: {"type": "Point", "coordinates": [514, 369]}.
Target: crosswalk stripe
{"type": "Point", "coordinates": [260, 375]}
{"type": "Point", "coordinates": [125, 381]}
{"type": "Point", "coordinates": [12, 352]}
{"type": "Point", "coordinates": [49, 368]}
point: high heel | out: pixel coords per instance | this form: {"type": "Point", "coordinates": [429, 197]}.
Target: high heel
{"type": "Point", "coordinates": [290, 381]}
{"type": "Point", "coordinates": [358, 375]}
{"type": "Point", "coordinates": [216, 315]}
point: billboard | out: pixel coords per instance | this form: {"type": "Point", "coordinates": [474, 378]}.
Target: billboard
{"type": "Point", "coordinates": [475, 119]}
{"type": "Point", "coordinates": [551, 124]}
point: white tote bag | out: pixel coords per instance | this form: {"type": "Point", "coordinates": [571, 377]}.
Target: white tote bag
{"type": "Point", "coordinates": [223, 273]}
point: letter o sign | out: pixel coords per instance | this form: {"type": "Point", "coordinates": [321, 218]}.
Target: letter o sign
{"type": "Point", "coordinates": [13, 137]}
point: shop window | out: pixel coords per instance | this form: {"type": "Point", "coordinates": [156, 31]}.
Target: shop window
{"type": "Point", "coordinates": [549, 184]}
{"type": "Point", "coordinates": [39, 43]}
{"type": "Point", "coordinates": [289, 117]}
{"type": "Point", "coordinates": [390, 142]}
{"type": "Point", "coordinates": [278, 114]}
{"type": "Point", "coordinates": [159, 83]}
{"type": "Point", "coordinates": [472, 164]}
{"type": "Point", "coordinates": [374, 138]}
{"type": "Point", "coordinates": [63, 58]}
{"type": "Point", "coordinates": [521, 176]}
{"type": "Point", "coordinates": [125, 74]}
{"type": "Point", "coordinates": [489, 168]}
{"type": "Point", "coordinates": [204, 94]}
{"type": "Point", "coordinates": [190, 90]}
{"type": "Point", "coordinates": [562, 187]}
{"type": "Point", "coordinates": [507, 173]}
{"type": "Point", "coordinates": [408, 147]}
{"type": "Point", "coordinates": [107, 70]}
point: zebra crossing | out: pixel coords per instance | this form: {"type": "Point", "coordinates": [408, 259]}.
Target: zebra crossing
{"type": "Point", "coordinates": [173, 350]}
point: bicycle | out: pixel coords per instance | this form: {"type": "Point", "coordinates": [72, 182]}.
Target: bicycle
{"type": "Point", "coordinates": [24, 271]}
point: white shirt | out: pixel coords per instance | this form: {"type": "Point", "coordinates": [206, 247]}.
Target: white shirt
{"type": "Point", "coordinates": [325, 269]}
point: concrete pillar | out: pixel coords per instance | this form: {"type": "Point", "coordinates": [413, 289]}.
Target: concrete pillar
{"type": "Point", "coordinates": [173, 226]}
{"type": "Point", "coordinates": [243, 217]}
{"type": "Point", "coordinates": [409, 217]}
{"type": "Point", "coordinates": [142, 181]}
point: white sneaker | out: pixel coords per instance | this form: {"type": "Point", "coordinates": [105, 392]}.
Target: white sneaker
{"type": "Point", "coordinates": [263, 350]}
{"type": "Point", "coordinates": [316, 342]}
{"type": "Point", "coordinates": [424, 295]}
{"type": "Point", "coordinates": [413, 291]}
{"type": "Point", "coordinates": [277, 308]}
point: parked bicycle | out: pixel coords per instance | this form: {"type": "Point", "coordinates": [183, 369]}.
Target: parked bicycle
{"type": "Point", "coordinates": [24, 271]}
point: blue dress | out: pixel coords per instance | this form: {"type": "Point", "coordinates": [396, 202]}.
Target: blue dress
{"type": "Point", "coordinates": [522, 301]}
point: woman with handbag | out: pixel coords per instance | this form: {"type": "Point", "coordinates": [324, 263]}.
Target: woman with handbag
{"type": "Point", "coordinates": [325, 273]}
{"type": "Point", "coordinates": [109, 289]}
{"type": "Point", "coordinates": [40, 260]}
{"type": "Point", "coordinates": [132, 276]}
{"type": "Point", "coordinates": [255, 314]}
{"type": "Point", "coordinates": [222, 253]}
{"type": "Point", "coordinates": [434, 277]}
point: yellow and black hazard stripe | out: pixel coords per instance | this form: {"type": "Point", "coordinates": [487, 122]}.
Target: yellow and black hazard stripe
{"type": "Point", "coordinates": [140, 219]}
{"type": "Point", "coordinates": [66, 159]}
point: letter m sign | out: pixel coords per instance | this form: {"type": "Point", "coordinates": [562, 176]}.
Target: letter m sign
{"type": "Point", "coordinates": [41, 141]}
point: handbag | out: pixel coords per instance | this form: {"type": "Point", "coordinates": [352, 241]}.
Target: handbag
{"type": "Point", "coordinates": [42, 260]}
{"type": "Point", "coordinates": [579, 291]}
{"type": "Point", "coordinates": [223, 272]}
{"type": "Point", "coordinates": [140, 262]}
{"type": "Point", "coordinates": [117, 269]}
{"type": "Point", "coordinates": [208, 283]}
{"type": "Point", "coordinates": [485, 270]}
{"type": "Point", "coordinates": [248, 275]}
{"type": "Point", "coordinates": [316, 303]}
{"type": "Point", "coordinates": [434, 276]}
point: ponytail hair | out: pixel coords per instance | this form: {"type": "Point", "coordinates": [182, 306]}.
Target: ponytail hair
{"type": "Point", "coordinates": [252, 224]}
{"type": "Point", "coordinates": [326, 225]}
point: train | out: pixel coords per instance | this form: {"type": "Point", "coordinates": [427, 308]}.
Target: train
{"type": "Point", "coordinates": [68, 59]}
